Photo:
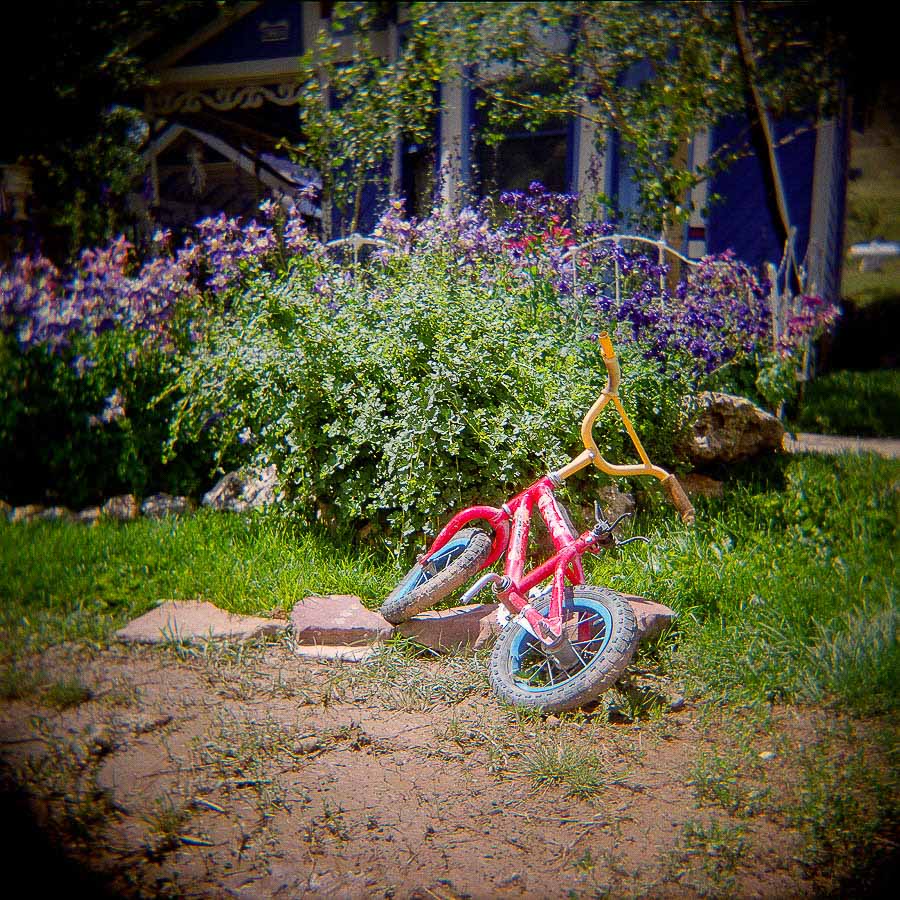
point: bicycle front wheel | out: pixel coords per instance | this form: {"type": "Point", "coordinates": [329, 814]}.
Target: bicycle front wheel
{"type": "Point", "coordinates": [452, 566]}
{"type": "Point", "coordinates": [599, 638]}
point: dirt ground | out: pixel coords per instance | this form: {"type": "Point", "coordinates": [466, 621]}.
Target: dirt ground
{"type": "Point", "coordinates": [249, 772]}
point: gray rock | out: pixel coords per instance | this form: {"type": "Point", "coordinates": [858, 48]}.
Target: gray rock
{"type": "Point", "coordinates": [29, 513]}
{"type": "Point", "coordinates": [697, 485]}
{"type": "Point", "coordinates": [195, 621]}
{"type": "Point", "coordinates": [727, 429]}
{"type": "Point", "coordinates": [448, 629]}
{"type": "Point", "coordinates": [57, 514]}
{"type": "Point", "coordinates": [614, 502]}
{"type": "Point", "coordinates": [124, 508]}
{"type": "Point", "coordinates": [239, 492]}
{"type": "Point", "coordinates": [337, 620]}
{"type": "Point", "coordinates": [89, 516]}
{"type": "Point", "coordinates": [157, 506]}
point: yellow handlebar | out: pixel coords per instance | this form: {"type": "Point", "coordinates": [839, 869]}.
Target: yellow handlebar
{"type": "Point", "coordinates": [591, 453]}
{"type": "Point", "coordinates": [606, 346]}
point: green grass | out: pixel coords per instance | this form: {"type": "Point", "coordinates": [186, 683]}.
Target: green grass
{"type": "Point", "coordinates": [865, 404]}
{"type": "Point", "coordinates": [766, 581]}
{"type": "Point", "coordinates": [66, 693]}
{"type": "Point", "coordinates": [865, 288]}
{"type": "Point", "coordinates": [579, 772]}
{"type": "Point", "coordinates": [62, 581]}
{"type": "Point", "coordinates": [786, 587]}
{"type": "Point", "coordinates": [873, 210]}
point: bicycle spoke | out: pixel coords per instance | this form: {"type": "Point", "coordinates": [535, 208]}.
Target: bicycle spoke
{"type": "Point", "coordinates": [535, 673]}
{"type": "Point", "coordinates": [584, 665]}
{"type": "Point", "coordinates": [435, 566]}
{"type": "Point", "coordinates": [550, 672]}
{"type": "Point", "coordinates": [595, 639]}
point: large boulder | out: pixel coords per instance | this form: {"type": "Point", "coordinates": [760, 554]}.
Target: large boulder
{"type": "Point", "coordinates": [239, 492]}
{"type": "Point", "coordinates": [728, 429]}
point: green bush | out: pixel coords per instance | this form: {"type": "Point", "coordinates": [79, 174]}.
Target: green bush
{"type": "Point", "coordinates": [412, 389]}
{"type": "Point", "coordinates": [75, 434]}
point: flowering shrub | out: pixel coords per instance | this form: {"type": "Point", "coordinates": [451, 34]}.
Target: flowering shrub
{"type": "Point", "coordinates": [85, 353]}
{"type": "Point", "coordinates": [716, 316]}
{"type": "Point", "coordinates": [257, 338]}
{"type": "Point", "coordinates": [416, 387]}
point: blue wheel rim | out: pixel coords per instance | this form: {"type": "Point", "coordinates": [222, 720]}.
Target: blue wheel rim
{"type": "Point", "coordinates": [534, 670]}
{"type": "Point", "coordinates": [420, 575]}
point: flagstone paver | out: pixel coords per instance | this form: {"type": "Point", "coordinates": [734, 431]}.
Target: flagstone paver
{"type": "Point", "coordinates": [195, 621]}
{"type": "Point", "coordinates": [447, 629]}
{"type": "Point", "coordinates": [651, 617]}
{"type": "Point", "coordinates": [337, 619]}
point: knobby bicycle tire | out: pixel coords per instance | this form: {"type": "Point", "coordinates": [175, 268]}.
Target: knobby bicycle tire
{"type": "Point", "coordinates": [525, 673]}
{"type": "Point", "coordinates": [451, 567]}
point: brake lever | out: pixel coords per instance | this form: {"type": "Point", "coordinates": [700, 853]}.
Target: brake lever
{"type": "Point", "coordinates": [631, 540]}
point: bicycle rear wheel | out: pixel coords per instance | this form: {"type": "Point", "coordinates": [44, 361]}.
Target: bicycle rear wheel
{"type": "Point", "coordinates": [451, 566]}
{"type": "Point", "coordinates": [599, 638]}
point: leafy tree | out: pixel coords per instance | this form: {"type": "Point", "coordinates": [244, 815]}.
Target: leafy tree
{"type": "Point", "coordinates": [71, 89]}
{"type": "Point", "coordinates": [655, 73]}
{"type": "Point", "coordinates": [356, 106]}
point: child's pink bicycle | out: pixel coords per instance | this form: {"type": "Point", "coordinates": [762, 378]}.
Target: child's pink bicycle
{"type": "Point", "coordinates": [563, 643]}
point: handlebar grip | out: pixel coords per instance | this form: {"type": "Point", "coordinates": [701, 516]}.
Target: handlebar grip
{"type": "Point", "coordinates": [680, 500]}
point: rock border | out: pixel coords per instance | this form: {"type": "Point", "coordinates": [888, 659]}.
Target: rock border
{"type": "Point", "coordinates": [234, 492]}
{"type": "Point", "coordinates": [339, 626]}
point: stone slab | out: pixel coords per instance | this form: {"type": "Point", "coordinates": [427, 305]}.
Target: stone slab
{"type": "Point", "coordinates": [450, 629]}
{"type": "Point", "coordinates": [652, 617]}
{"type": "Point", "coordinates": [195, 621]}
{"type": "Point", "coordinates": [488, 631]}
{"type": "Point", "coordinates": [341, 653]}
{"type": "Point", "coordinates": [337, 620]}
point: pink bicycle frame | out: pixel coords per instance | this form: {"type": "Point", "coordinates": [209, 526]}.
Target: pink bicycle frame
{"type": "Point", "coordinates": [515, 516]}
{"type": "Point", "coordinates": [512, 525]}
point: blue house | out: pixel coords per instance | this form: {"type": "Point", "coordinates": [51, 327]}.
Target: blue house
{"type": "Point", "coordinates": [226, 95]}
